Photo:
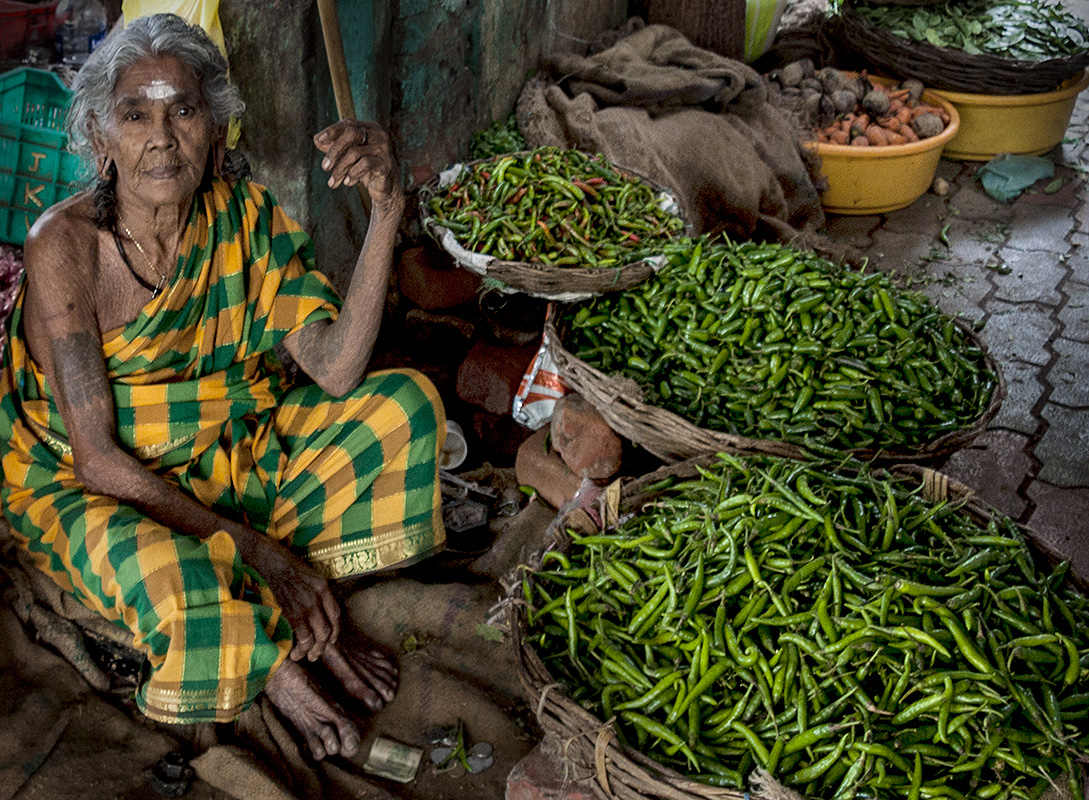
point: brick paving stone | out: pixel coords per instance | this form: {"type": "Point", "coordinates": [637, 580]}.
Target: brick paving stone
{"type": "Point", "coordinates": [924, 214]}
{"type": "Point", "coordinates": [1079, 241]}
{"type": "Point", "coordinates": [1031, 277]}
{"type": "Point", "coordinates": [994, 465]}
{"type": "Point", "coordinates": [971, 202]}
{"type": "Point", "coordinates": [969, 244]}
{"type": "Point", "coordinates": [1023, 391]}
{"type": "Point", "coordinates": [852, 230]}
{"type": "Point", "coordinates": [1059, 519]}
{"type": "Point", "coordinates": [1069, 375]}
{"type": "Point", "coordinates": [899, 253]}
{"type": "Point", "coordinates": [1061, 450]}
{"type": "Point", "coordinates": [1018, 332]}
{"type": "Point", "coordinates": [1081, 218]}
{"type": "Point", "coordinates": [1040, 228]}
{"type": "Point", "coordinates": [957, 289]}
{"type": "Point", "coordinates": [1067, 195]}
{"type": "Point", "coordinates": [1075, 314]}
{"type": "Point", "coordinates": [949, 169]}
{"type": "Point", "coordinates": [1074, 151]}
{"type": "Point", "coordinates": [1076, 261]}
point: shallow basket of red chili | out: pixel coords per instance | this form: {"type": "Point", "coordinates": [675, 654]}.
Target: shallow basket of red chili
{"type": "Point", "coordinates": [552, 223]}
{"type": "Point", "coordinates": [844, 630]}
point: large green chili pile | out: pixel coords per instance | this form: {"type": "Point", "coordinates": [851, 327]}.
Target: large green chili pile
{"type": "Point", "coordinates": [770, 342]}
{"type": "Point", "coordinates": [827, 625]}
{"type": "Point", "coordinates": [555, 207]}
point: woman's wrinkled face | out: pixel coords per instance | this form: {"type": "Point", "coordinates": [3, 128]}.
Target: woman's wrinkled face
{"type": "Point", "coordinates": [160, 134]}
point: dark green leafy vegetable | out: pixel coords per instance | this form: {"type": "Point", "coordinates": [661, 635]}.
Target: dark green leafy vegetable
{"type": "Point", "coordinates": [502, 137]}
{"type": "Point", "coordinates": [1015, 29]}
{"type": "Point", "coordinates": [828, 625]}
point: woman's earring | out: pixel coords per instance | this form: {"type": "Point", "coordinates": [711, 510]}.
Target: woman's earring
{"type": "Point", "coordinates": [104, 168]}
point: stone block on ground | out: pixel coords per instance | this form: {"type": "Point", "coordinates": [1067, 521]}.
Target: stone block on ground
{"type": "Point", "coordinates": [429, 279]}
{"type": "Point", "coordinates": [490, 375]}
{"type": "Point", "coordinates": [584, 439]}
{"type": "Point", "coordinates": [539, 466]}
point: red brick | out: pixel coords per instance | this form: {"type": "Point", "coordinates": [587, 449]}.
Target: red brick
{"type": "Point", "coordinates": [428, 278]}
{"type": "Point", "coordinates": [541, 776]}
{"type": "Point", "coordinates": [537, 465]}
{"type": "Point", "coordinates": [490, 375]}
{"type": "Point", "coordinates": [584, 439]}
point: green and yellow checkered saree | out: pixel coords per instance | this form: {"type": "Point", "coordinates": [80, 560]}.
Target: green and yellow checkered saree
{"type": "Point", "coordinates": [350, 482]}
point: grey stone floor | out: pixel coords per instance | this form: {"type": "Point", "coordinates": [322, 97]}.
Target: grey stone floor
{"type": "Point", "coordinates": [1022, 269]}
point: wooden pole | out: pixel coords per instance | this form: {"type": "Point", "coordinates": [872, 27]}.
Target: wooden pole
{"type": "Point", "coordinates": [338, 69]}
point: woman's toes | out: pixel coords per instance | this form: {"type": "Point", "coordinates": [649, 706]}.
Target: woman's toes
{"type": "Point", "coordinates": [317, 749]}
{"type": "Point", "coordinates": [329, 739]}
{"type": "Point", "coordinates": [349, 739]}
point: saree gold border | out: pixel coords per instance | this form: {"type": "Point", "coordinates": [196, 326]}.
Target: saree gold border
{"type": "Point", "coordinates": [346, 559]}
{"type": "Point", "coordinates": [147, 451]}
{"type": "Point", "coordinates": [167, 705]}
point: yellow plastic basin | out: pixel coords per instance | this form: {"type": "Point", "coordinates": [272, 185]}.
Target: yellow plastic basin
{"type": "Point", "coordinates": [1025, 124]}
{"type": "Point", "coordinates": [874, 180]}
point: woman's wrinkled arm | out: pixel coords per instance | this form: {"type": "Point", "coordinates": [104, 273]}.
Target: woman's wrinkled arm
{"type": "Point", "coordinates": [335, 354]}
{"type": "Point", "coordinates": [60, 316]}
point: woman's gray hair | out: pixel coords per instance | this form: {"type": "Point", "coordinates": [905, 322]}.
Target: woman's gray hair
{"type": "Point", "coordinates": [158, 35]}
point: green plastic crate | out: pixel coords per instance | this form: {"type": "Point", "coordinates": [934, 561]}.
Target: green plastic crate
{"type": "Point", "coordinates": [36, 169]}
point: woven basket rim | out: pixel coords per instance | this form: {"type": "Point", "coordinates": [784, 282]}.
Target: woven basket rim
{"type": "Point", "coordinates": [955, 70]}
{"type": "Point", "coordinates": [685, 439]}
{"type": "Point", "coordinates": [567, 283]}
{"type": "Point", "coordinates": [582, 728]}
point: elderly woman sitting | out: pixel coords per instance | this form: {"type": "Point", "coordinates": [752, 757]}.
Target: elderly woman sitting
{"type": "Point", "coordinates": [156, 463]}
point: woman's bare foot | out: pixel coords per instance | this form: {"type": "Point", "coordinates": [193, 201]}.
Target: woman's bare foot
{"type": "Point", "coordinates": [321, 722]}
{"type": "Point", "coordinates": [364, 671]}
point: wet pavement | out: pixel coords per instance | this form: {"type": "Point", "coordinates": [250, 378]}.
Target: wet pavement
{"type": "Point", "coordinates": [1022, 269]}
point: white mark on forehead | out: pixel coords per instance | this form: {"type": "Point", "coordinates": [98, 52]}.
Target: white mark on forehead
{"type": "Point", "coordinates": [158, 90]}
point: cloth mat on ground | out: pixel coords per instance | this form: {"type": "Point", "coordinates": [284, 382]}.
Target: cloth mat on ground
{"type": "Point", "coordinates": [69, 730]}
{"type": "Point", "coordinates": [690, 120]}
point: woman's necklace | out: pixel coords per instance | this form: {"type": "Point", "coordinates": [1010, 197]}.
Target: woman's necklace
{"type": "Point", "coordinates": [158, 287]}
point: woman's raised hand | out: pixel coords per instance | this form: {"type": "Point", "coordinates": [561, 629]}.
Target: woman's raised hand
{"type": "Point", "coordinates": [361, 153]}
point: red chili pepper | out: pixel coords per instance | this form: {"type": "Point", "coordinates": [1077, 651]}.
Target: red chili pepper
{"type": "Point", "coordinates": [517, 195]}
{"type": "Point", "coordinates": [586, 187]}
{"type": "Point", "coordinates": [633, 237]}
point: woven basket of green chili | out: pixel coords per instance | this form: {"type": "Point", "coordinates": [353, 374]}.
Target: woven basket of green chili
{"type": "Point", "coordinates": [754, 348]}
{"type": "Point", "coordinates": [842, 630]}
{"type": "Point", "coordinates": [931, 55]}
{"type": "Point", "coordinates": [551, 223]}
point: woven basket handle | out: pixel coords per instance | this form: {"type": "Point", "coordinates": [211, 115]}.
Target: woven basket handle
{"type": "Point", "coordinates": [937, 486]}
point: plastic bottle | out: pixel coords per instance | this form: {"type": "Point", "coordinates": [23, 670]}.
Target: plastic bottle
{"type": "Point", "coordinates": [80, 27]}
